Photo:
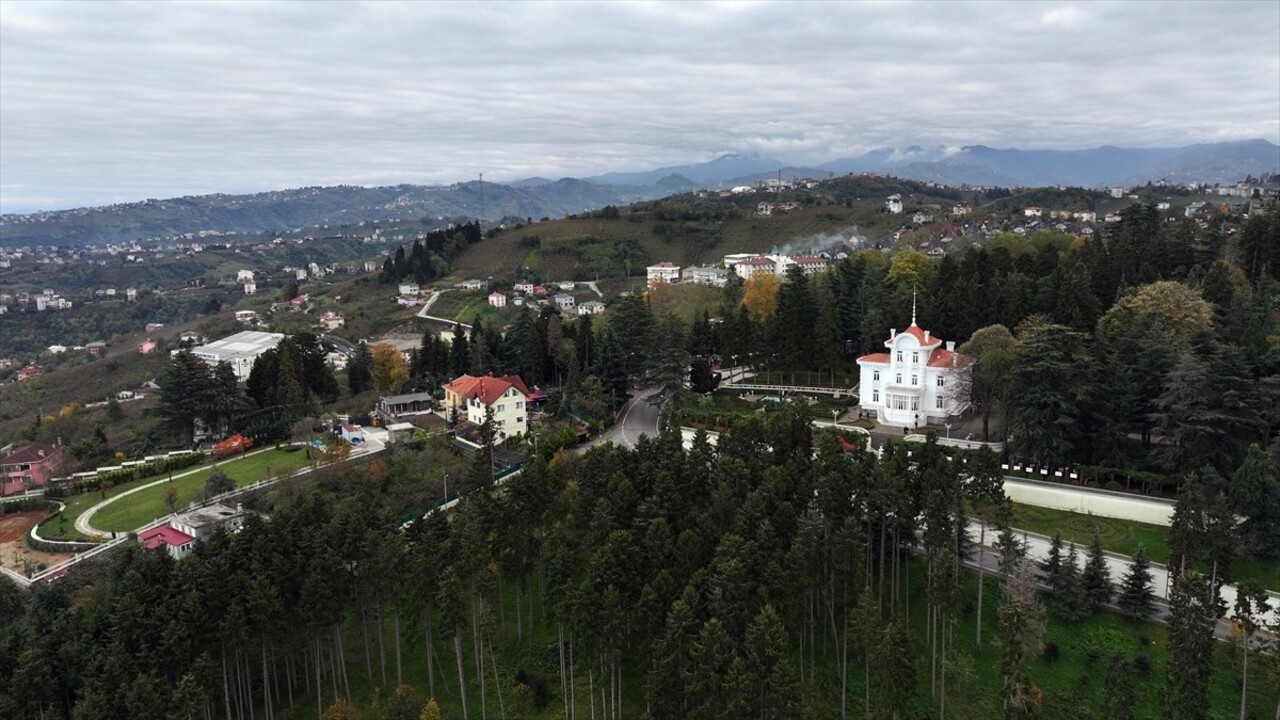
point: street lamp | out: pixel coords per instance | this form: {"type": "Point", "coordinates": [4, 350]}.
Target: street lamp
{"type": "Point", "coordinates": [835, 418]}
{"type": "Point", "coordinates": [948, 427]}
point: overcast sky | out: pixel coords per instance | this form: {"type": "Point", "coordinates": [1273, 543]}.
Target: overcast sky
{"type": "Point", "coordinates": [114, 101]}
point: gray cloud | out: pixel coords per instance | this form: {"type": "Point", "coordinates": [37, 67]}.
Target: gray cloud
{"type": "Point", "coordinates": [103, 102]}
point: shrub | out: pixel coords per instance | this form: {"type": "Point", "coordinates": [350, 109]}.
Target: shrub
{"type": "Point", "coordinates": [1142, 664]}
{"type": "Point", "coordinates": [1051, 652]}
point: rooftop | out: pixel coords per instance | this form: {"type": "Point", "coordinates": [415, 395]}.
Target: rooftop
{"type": "Point", "coordinates": [163, 535]}
{"type": "Point", "coordinates": [249, 343]}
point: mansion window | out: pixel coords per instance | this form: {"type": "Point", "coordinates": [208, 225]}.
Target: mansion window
{"type": "Point", "coordinates": [875, 376]}
{"type": "Point", "coordinates": [897, 378]}
{"type": "Point", "coordinates": [898, 402]}
{"type": "Point", "coordinates": [915, 403]}
{"type": "Point", "coordinates": [899, 356]}
{"type": "Point", "coordinates": [941, 381]}
{"type": "Point", "coordinates": [939, 403]}
{"type": "Point", "coordinates": [915, 358]}
{"type": "Point", "coordinates": [915, 379]}
{"type": "Point", "coordinates": [875, 395]}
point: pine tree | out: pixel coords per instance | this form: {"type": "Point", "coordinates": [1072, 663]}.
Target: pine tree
{"type": "Point", "coordinates": [1137, 597]}
{"type": "Point", "coordinates": [360, 370]}
{"type": "Point", "coordinates": [1096, 578]}
{"type": "Point", "coordinates": [1052, 566]}
{"type": "Point", "coordinates": [1073, 603]}
{"type": "Point", "coordinates": [1191, 646]}
{"type": "Point", "coordinates": [1020, 622]}
{"type": "Point", "coordinates": [1119, 695]}
{"type": "Point", "coordinates": [459, 352]}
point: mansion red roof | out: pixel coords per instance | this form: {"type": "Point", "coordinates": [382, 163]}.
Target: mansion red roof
{"type": "Point", "coordinates": [164, 535]}
{"type": "Point", "coordinates": [915, 332]}
{"type": "Point", "coordinates": [943, 358]}
{"type": "Point", "coordinates": [879, 358]}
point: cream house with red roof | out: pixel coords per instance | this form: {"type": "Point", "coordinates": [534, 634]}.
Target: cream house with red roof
{"type": "Point", "coordinates": [508, 397]}
{"type": "Point", "coordinates": [917, 382]}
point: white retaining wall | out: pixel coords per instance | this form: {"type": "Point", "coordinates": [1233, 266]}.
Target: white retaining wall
{"type": "Point", "coordinates": [1104, 503]}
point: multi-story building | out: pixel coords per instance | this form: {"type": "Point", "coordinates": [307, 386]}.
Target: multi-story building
{"type": "Point", "coordinates": [917, 382]}
{"type": "Point", "coordinates": [507, 397]}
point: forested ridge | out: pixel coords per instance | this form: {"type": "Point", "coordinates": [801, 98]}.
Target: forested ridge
{"type": "Point", "coordinates": [770, 576]}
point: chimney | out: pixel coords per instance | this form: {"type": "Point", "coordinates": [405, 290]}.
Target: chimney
{"type": "Point", "coordinates": [893, 332]}
{"type": "Point", "coordinates": [926, 336]}
{"type": "Point", "coordinates": [951, 344]}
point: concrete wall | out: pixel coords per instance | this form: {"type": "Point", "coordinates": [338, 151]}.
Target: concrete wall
{"type": "Point", "coordinates": [1104, 503]}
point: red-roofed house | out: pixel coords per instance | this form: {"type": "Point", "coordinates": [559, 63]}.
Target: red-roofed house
{"type": "Point", "coordinates": [918, 382]}
{"type": "Point", "coordinates": [29, 466]}
{"type": "Point", "coordinates": [185, 529]}
{"type": "Point", "coordinates": [174, 541]}
{"type": "Point", "coordinates": [507, 396]}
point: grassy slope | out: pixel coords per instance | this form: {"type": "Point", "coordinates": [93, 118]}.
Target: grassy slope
{"type": "Point", "coordinates": [1069, 684]}
{"type": "Point", "coordinates": [502, 256]}
{"type": "Point", "coordinates": [1124, 536]}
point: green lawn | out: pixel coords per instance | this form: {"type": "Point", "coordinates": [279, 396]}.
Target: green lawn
{"type": "Point", "coordinates": [147, 505]}
{"type": "Point", "coordinates": [1124, 537]}
{"type": "Point", "coordinates": [63, 527]}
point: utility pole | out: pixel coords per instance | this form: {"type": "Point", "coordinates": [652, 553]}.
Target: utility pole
{"type": "Point", "coordinates": [482, 205]}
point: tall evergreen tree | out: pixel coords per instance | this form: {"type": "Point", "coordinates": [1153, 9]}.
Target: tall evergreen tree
{"type": "Point", "coordinates": [1118, 692]}
{"type": "Point", "coordinates": [360, 370]}
{"type": "Point", "coordinates": [1191, 646]}
{"type": "Point", "coordinates": [1137, 596]}
{"type": "Point", "coordinates": [1096, 578]}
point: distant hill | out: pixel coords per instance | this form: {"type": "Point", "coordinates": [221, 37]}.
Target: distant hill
{"type": "Point", "coordinates": [714, 172]}
{"type": "Point", "coordinates": [287, 209]}
{"type": "Point", "coordinates": [538, 197]}
{"type": "Point", "coordinates": [981, 165]}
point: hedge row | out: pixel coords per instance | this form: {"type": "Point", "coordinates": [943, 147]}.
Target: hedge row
{"type": "Point", "coordinates": [124, 475]}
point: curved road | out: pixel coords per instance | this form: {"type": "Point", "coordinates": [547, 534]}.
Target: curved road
{"type": "Point", "coordinates": [639, 417]}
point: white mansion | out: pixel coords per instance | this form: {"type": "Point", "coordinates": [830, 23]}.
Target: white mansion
{"type": "Point", "coordinates": [916, 382]}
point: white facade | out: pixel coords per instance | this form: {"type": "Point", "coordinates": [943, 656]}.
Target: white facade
{"type": "Point", "coordinates": [591, 307]}
{"type": "Point", "coordinates": [746, 268]}
{"type": "Point", "coordinates": [663, 272]}
{"type": "Point", "coordinates": [916, 382]}
{"type": "Point", "coordinates": [713, 276]}
{"type": "Point", "coordinates": [509, 416]}
{"type": "Point", "coordinates": [497, 299]}
{"type": "Point", "coordinates": [894, 204]}
{"type": "Point", "coordinates": [410, 288]}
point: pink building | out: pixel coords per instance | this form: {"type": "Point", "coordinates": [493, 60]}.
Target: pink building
{"type": "Point", "coordinates": [30, 466]}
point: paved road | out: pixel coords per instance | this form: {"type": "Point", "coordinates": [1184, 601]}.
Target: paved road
{"type": "Point", "coordinates": [1118, 565]}
{"type": "Point", "coordinates": [431, 301]}
{"type": "Point", "coordinates": [638, 417]}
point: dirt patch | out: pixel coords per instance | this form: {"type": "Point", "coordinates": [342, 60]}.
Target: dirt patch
{"type": "Point", "coordinates": [14, 553]}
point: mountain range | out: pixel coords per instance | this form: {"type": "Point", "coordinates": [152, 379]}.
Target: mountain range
{"type": "Point", "coordinates": [537, 197]}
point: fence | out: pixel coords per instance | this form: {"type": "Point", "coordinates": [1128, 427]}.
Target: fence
{"type": "Point", "coordinates": [795, 389]}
